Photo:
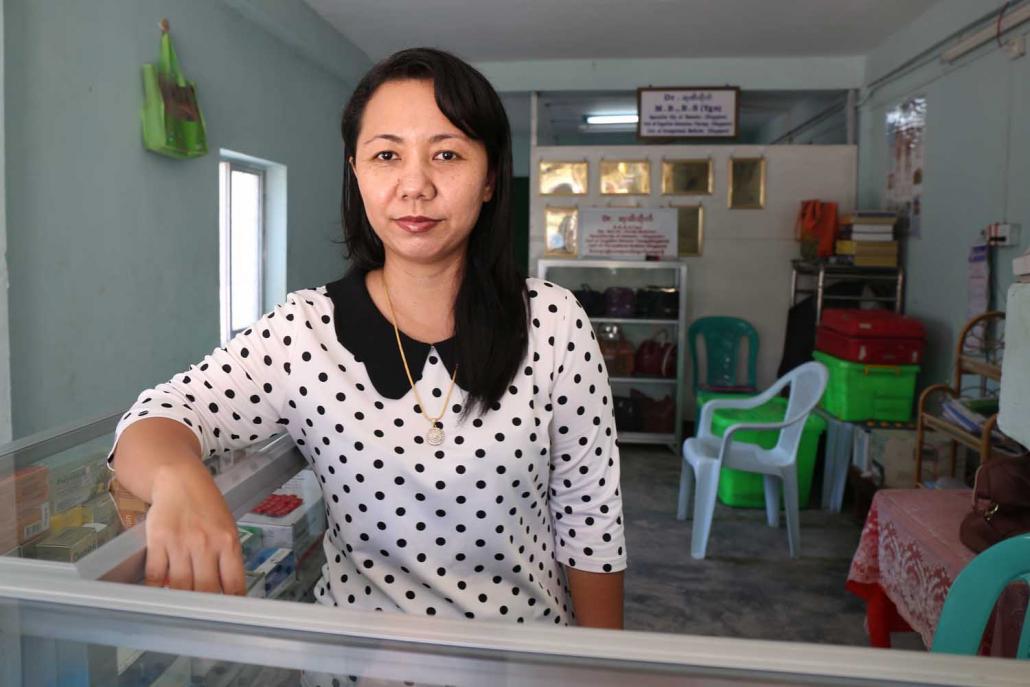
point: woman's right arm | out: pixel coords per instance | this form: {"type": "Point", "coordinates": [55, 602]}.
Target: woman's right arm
{"type": "Point", "coordinates": [230, 399]}
{"type": "Point", "coordinates": [191, 535]}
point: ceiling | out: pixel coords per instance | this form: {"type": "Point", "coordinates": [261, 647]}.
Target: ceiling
{"type": "Point", "coordinates": [503, 30]}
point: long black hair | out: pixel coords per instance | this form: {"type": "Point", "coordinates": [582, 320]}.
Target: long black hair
{"type": "Point", "coordinates": [490, 310]}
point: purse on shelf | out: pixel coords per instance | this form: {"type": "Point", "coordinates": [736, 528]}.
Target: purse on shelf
{"type": "Point", "coordinates": [617, 352]}
{"type": "Point", "coordinates": [659, 416]}
{"type": "Point", "coordinates": [656, 357]}
{"type": "Point", "coordinates": [658, 302]}
{"type": "Point", "coordinates": [619, 301]}
{"type": "Point", "coordinates": [591, 300]}
{"type": "Point", "coordinates": [1001, 502]}
{"type": "Point", "coordinates": [628, 417]}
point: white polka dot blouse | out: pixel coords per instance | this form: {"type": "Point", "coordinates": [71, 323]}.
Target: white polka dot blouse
{"type": "Point", "coordinates": [478, 526]}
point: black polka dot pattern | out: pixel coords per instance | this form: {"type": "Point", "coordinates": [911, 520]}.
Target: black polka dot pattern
{"type": "Point", "coordinates": [479, 527]}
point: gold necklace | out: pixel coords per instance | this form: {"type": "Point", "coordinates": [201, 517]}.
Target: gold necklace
{"type": "Point", "coordinates": [435, 435]}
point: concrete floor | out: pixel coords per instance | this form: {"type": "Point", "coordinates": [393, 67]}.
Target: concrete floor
{"type": "Point", "coordinates": [748, 586]}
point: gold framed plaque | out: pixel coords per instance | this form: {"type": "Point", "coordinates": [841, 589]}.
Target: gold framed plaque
{"type": "Point", "coordinates": [625, 177]}
{"type": "Point", "coordinates": [746, 186]}
{"type": "Point", "coordinates": [561, 227]}
{"type": "Point", "coordinates": [558, 178]}
{"type": "Point", "coordinates": [690, 229]}
{"type": "Point", "coordinates": [688, 177]}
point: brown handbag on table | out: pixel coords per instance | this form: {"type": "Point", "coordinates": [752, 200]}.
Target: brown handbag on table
{"type": "Point", "coordinates": [1001, 503]}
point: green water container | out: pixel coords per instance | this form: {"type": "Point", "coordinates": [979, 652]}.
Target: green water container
{"type": "Point", "coordinates": [857, 392]}
{"type": "Point", "coordinates": [745, 489]}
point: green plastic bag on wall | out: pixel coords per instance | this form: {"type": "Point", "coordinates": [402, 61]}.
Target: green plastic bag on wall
{"type": "Point", "coordinates": [173, 124]}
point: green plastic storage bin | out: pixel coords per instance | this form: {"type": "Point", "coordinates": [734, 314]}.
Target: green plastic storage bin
{"type": "Point", "coordinates": [857, 392]}
{"type": "Point", "coordinates": [745, 489]}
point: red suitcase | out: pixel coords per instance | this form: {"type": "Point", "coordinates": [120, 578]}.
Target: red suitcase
{"type": "Point", "coordinates": [875, 337]}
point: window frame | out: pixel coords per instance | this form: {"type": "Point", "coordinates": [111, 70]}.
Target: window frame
{"type": "Point", "coordinates": [226, 166]}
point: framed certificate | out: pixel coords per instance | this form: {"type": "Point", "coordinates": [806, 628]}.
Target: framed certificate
{"type": "Point", "coordinates": [690, 229]}
{"type": "Point", "coordinates": [561, 226]}
{"type": "Point", "coordinates": [746, 187]}
{"type": "Point", "coordinates": [687, 177]}
{"type": "Point", "coordinates": [564, 178]}
{"type": "Point", "coordinates": [625, 177]}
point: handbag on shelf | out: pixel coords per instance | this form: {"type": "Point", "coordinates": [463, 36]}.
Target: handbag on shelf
{"type": "Point", "coordinates": [1001, 502]}
{"type": "Point", "coordinates": [619, 301]}
{"type": "Point", "coordinates": [658, 302]}
{"type": "Point", "coordinates": [628, 417]}
{"type": "Point", "coordinates": [617, 352]}
{"type": "Point", "coordinates": [591, 300]}
{"type": "Point", "coordinates": [656, 357]}
{"type": "Point", "coordinates": [659, 416]}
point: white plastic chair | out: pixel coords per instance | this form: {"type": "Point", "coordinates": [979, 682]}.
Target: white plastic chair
{"type": "Point", "coordinates": [705, 454]}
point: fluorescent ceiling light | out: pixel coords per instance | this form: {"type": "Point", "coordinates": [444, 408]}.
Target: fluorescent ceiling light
{"type": "Point", "coordinates": [612, 119]}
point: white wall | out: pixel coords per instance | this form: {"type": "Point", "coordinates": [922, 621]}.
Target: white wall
{"type": "Point", "coordinates": [744, 270]}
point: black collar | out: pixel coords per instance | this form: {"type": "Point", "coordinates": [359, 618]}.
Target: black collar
{"type": "Point", "coordinates": [362, 330]}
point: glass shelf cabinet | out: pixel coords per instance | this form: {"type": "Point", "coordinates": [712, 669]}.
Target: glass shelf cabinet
{"type": "Point", "coordinates": [648, 391]}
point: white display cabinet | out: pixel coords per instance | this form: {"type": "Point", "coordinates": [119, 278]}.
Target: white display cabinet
{"type": "Point", "coordinates": [600, 275]}
{"type": "Point", "coordinates": [91, 623]}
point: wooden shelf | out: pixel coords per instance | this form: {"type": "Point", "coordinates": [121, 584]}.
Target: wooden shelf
{"type": "Point", "coordinates": [976, 366]}
{"type": "Point", "coordinates": [964, 365]}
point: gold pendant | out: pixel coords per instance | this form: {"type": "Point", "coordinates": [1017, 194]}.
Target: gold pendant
{"type": "Point", "coordinates": [434, 436]}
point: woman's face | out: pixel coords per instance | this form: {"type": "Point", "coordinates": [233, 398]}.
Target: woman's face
{"type": "Point", "coordinates": [422, 181]}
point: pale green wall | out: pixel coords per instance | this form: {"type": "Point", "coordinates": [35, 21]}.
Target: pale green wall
{"type": "Point", "coordinates": [113, 251]}
{"type": "Point", "coordinates": [977, 165]}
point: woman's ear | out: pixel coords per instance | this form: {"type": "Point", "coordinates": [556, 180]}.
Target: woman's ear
{"type": "Point", "coordinates": [488, 190]}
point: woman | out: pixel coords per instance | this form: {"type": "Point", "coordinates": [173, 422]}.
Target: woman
{"type": "Point", "coordinates": [474, 476]}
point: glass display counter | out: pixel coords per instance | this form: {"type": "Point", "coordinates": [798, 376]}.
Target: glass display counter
{"type": "Point", "coordinates": [88, 622]}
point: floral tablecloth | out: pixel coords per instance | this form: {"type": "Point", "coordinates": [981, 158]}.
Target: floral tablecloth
{"type": "Point", "coordinates": [906, 560]}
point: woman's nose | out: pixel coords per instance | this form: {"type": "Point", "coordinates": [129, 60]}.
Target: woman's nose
{"type": "Point", "coordinates": [415, 181]}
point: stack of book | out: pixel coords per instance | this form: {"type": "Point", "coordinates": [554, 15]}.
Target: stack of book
{"type": "Point", "coordinates": [867, 238]}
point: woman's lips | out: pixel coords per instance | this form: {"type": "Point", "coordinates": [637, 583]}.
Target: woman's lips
{"type": "Point", "coordinates": [417, 225]}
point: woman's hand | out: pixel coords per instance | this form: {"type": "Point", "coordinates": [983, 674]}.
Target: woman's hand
{"type": "Point", "coordinates": [192, 541]}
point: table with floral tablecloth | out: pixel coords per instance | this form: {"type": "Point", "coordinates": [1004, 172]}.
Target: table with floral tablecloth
{"type": "Point", "coordinates": [906, 560]}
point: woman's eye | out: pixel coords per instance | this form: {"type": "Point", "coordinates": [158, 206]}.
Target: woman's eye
{"type": "Point", "coordinates": [447, 155]}
{"type": "Point", "coordinates": [386, 155]}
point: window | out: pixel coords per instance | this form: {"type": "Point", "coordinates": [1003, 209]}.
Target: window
{"type": "Point", "coordinates": [251, 240]}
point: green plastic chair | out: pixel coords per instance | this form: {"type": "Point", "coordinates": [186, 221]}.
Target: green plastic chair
{"type": "Point", "coordinates": [722, 338]}
{"type": "Point", "coordinates": [975, 591]}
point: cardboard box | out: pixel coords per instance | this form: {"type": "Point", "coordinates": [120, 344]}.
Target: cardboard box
{"type": "Point", "coordinates": [255, 584]}
{"type": "Point", "coordinates": [100, 509]}
{"type": "Point", "coordinates": [891, 455]}
{"type": "Point", "coordinates": [25, 507]}
{"type": "Point", "coordinates": [67, 546]}
{"type": "Point", "coordinates": [301, 527]}
{"type": "Point", "coordinates": [279, 568]}
{"type": "Point", "coordinates": [249, 542]}
{"type": "Point", "coordinates": [78, 474]}
{"type": "Point", "coordinates": [132, 510]}
{"type": "Point", "coordinates": [73, 517]}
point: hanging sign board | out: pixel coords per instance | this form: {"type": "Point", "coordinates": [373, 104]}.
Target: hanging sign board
{"type": "Point", "coordinates": [676, 113]}
{"type": "Point", "coordinates": [630, 233]}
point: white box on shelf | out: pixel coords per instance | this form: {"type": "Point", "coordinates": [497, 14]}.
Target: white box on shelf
{"type": "Point", "coordinates": [301, 527]}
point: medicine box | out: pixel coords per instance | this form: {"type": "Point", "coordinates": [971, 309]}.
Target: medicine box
{"type": "Point", "coordinates": [66, 546]}
{"type": "Point", "coordinates": [301, 527]}
{"type": "Point", "coordinates": [279, 567]}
